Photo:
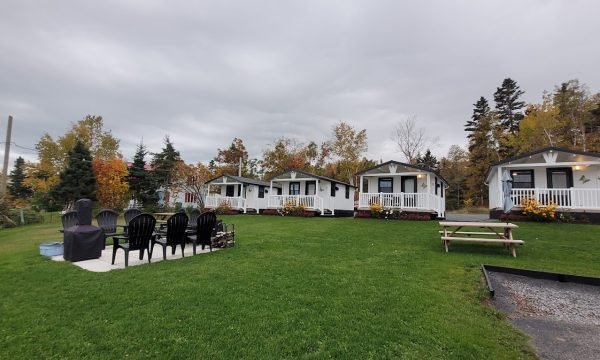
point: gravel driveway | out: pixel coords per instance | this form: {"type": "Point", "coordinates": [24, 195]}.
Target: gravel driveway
{"type": "Point", "coordinates": [562, 319]}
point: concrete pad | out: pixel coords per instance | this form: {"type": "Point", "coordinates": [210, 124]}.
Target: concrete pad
{"type": "Point", "coordinates": [103, 263]}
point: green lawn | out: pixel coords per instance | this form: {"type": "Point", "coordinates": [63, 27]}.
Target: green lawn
{"type": "Point", "coordinates": [291, 288]}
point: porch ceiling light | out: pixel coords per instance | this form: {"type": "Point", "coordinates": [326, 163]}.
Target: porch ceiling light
{"type": "Point", "coordinates": [419, 175]}
{"type": "Point", "coordinates": [577, 167]}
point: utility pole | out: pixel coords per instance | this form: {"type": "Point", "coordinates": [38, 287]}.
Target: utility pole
{"type": "Point", "coordinates": [6, 155]}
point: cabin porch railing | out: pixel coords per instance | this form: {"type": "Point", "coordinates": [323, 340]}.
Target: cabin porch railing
{"type": "Point", "coordinates": [571, 198]}
{"type": "Point", "coordinates": [404, 201]}
{"type": "Point", "coordinates": [234, 202]}
{"type": "Point", "coordinates": [309, 202]}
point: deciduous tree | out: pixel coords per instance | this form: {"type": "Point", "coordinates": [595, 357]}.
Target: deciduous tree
{"type": "Point", "coordinates": [411, 139]}
{"type": "Point", "coordinates": [111, 182]}
{"type": "Point", "coordinates": [191, 179]}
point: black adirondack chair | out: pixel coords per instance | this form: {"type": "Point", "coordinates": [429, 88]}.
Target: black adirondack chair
{"type": "Point", "coordinates": [194, 219]}
{"type": "Point", "coordinates": [139, 234]}
{"type": "Point", "coordinates": [128, 215]}
{"type": "Point", "coordinates": [174, 235]}
{"type": "Point", "coordinates": [204, 230]}
{"type": "Point", "coordinates": [107, 221]}
{"type": "Point", "coordinates": [70, 218]}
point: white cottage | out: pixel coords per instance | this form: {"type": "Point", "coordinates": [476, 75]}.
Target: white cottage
{"type": "Point", "coordinates": [238, 192]}
{"type": "Point", "coordinates": [317, 193]}
{"type": "Point", "coordinates": [400, 186]}
{"type": "Point", "coordinates": [570, 179]}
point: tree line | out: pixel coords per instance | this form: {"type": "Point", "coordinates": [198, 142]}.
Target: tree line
{"type": "Point", "coordinates": [568, 117]}
{"type": "Point", "coordinates": [87, 162]}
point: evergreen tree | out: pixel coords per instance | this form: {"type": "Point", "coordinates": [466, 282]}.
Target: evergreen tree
{"type": "Point", "coordinates": [17, 187]}
{"type": "Point", "coordinates": [481, 155]}
{"type": "Point", "coordinates": [428, 160]}
{"type": "Point", "coordinates": [508, 106]}
{"type": "Point", "coordinates": [164, 162]}
{"type": "Point", "coordinates": [77, 180]}
{"type": "Point", "coordinates": [142, 181]}
{"type": "Point", "coordinates": [482, 108]}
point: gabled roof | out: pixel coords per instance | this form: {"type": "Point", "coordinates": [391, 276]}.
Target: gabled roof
{"type": "Point", "coordinates": [550, 148]}
{"type": "Point", "coordinates": [313, 176]}
{"type": "Point", "coordinates": [536, 152]}
{"type": "Point", "coordinates": [242, 180]}
{"type": "Point", "coordinates": [416, 167]}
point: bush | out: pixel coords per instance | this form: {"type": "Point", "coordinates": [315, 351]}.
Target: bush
{"type": "Point", "coordinates": [223, 209]}
{"type": "Point", "coordinates": [291, 209]}
{"type": "Point", "coordinates": [376, 209]}
{"type": "Point", "coordinates": [534, 211]}
{"type": "Point", "coordinates": [29, 216]}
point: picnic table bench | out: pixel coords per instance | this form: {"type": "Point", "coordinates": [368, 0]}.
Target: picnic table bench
{"type": "Point", "coordinates": [494, 232]}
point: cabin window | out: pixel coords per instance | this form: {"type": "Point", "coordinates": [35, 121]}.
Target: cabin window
{"type": "Point", "coordinates": [365, 187]}
{"type": "Point", "coordinates": [522, 179]}
{"type": "Point", "coordinates": [261, 192]}
{"type": "Point", "coordinates": [294, 188]}
{"type": "Point", "coordinates": [386, 185]}
{"type": "Point", "coordinates": [333, 189]}
{"type": "Point", "coordinates": [436, 186]}
{"type": "Point", "coordinates": [347, 191]}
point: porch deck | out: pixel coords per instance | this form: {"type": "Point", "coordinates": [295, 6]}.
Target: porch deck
{"type": "Point", "coordinates": [403, 201]}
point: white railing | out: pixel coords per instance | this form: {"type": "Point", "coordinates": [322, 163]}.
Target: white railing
{"type": "Point", "coordinates": [310, 202]}
{"type": "Point", "coordinates": [567, 198]}
{"type": "Point", "coordinates": [404, 201]}
{"type": "Point", "coordinates": [233, 202]}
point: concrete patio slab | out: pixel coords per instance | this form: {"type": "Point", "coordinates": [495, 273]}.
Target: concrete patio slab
{"type": "Point", "coordinates": [103, 263]}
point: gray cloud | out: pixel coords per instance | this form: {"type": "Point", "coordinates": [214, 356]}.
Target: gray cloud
{"type": "Point", "coordinates": [206, 72]}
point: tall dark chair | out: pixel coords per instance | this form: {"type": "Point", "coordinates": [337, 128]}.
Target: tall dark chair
{"type": "Point", "coordinates": [175, 235]}
{"type": "Point", "coordinates": [204, 229]}
{"type": "Point", "coordinates": [107, 221]}
{"type": "Point", "coordinates": [194, 219]}
{"type": "Point", "coordinates": [139, 234]}
{"type": "Point", "coordinates": [130, 214]}
{"type": "Point", "coordinates": [70, 218]}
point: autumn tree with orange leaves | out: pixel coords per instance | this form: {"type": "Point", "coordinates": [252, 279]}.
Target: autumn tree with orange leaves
{"type": "Point", "coordinates": [112, 187]}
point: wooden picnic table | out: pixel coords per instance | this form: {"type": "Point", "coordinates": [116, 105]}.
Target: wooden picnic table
{"type": "Point", "coordinates": [493, 232]}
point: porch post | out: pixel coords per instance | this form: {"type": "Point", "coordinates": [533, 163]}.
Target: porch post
{"type": "Point", "coordinates": [428, 191]}
{"type": "Point", "coordinates": [242, 198]}
{"type": "Point", "coordinates": [500, 197]}
{"type": "Point", "coordinates": [270, 194]}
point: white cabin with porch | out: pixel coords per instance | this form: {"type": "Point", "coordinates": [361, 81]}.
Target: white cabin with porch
{"type": "Point", "coordinates": [570, 179]}
{"type": "Point", "coordinates": [239, 193]}
{"type": "Point", "coordinates": [399, 186]}
{"type": "Point", "coordinates": [316, 193]}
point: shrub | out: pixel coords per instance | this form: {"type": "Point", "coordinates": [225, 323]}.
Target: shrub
{"type": "Point", "coordinates": [223, 208]}
{"type": "Point", "coordinates": [29, 216]}
{"type": "Point", "coordinates": [291, 209]}
{"type": "Point", "coordinates": [534, 211]}
{"type": "Point", "coordinates": [376, 209]}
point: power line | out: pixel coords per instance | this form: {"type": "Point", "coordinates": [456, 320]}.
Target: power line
{"type": "Point", "coordinates": [17, 145]}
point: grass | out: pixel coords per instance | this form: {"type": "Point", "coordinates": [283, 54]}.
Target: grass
{"type": "Point", "coordinates": [291, 288]}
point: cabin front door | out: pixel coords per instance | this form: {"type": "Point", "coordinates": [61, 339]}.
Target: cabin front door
{"type": "Point", "coordinates": [560, 178]}
{"type": "Point", "coordinates": [408, 185]}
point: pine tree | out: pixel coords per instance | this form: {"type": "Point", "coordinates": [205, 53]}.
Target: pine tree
{"type": "Point", "coordinates": [508, 106]}
{"type": "Point", "coordinates": [17, 187]}
{"type": "Point", "coordinates": [164, 162]}
{"type": "Point", "coordinates": [482, 108]}
{"type": "Point", "coordinates": [142, 181]}
{"type": "Point", "coordinates": [77, 180]}
{"type": "Point", "coordinates": [428, 160]}
{"type": "Point", "coordinates": [481, 154]}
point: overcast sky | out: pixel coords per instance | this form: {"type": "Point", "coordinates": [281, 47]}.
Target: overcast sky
{"type": "Point", "coordinates": [206, 72]}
